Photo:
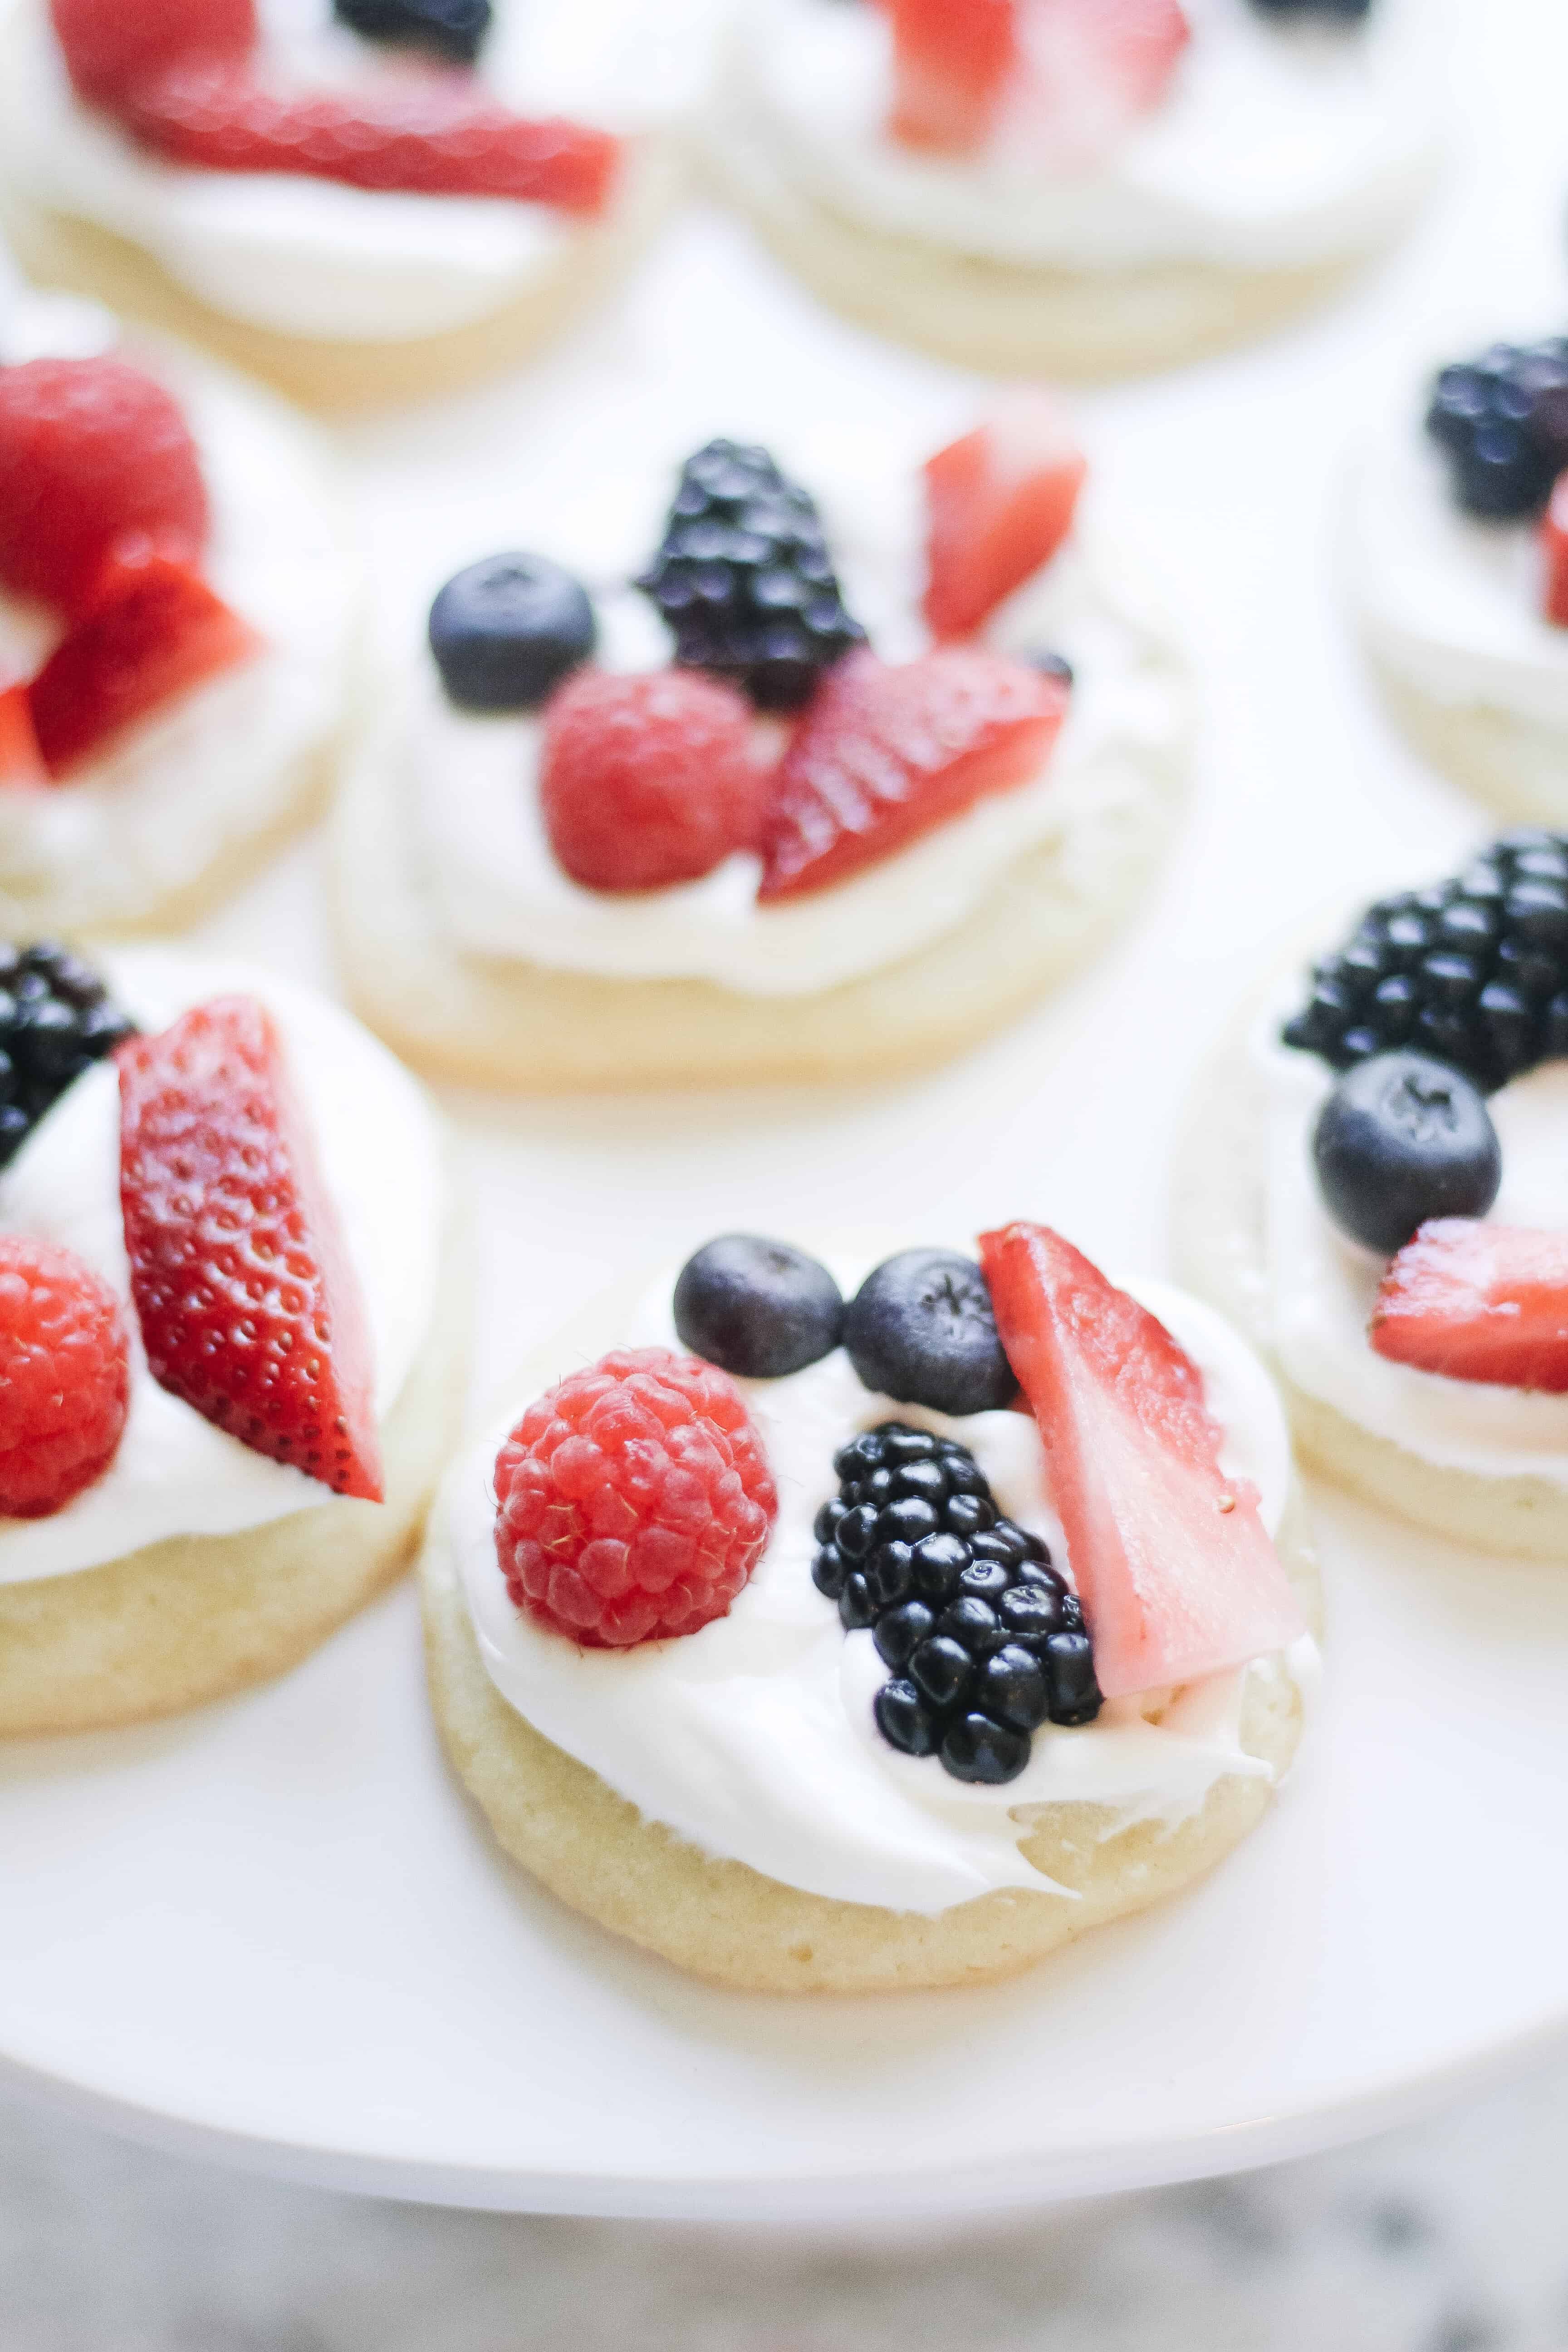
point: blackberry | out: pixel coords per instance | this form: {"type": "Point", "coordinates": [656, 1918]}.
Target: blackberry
{"type": "Point", "coordinates": [743, 578]}
{"type": "Point", "coordinates": [454, 30]}
{"type": "Point", "coordinates": [1472, 971]}
{"type": "Point", "coordinates": [1501, 421]}
{"type": "Point", "coordinates": [56, 1018]}
{"type": "Point", "coordinates": [1336, 12]}
{"type": "Point", "coordinates": [985, 1638]}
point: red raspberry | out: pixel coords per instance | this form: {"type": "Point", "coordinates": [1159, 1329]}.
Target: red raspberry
{"type": "Point", "coordinates": [633, 1500]}
{"type": "Point", "coordinates": [433, 137]}
{"type": "Point", "coordinates": [111, 46]}
{"type": "Point", "coordinates": [250, 1305]}
{"type": "Point", "coordinates": [649, 780]}
{"type": "Point", "coordinates": [91, 451]}
{"type": "Point", "coordinates": [65, 1377]}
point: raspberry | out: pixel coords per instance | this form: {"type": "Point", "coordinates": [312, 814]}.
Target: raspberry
{"type": "Point", "coordinates": [647, 780]}
{"type": "Point", "coordinates": [65, 1377]}
{"type": "Point", "coordinates": [91, 452]}
{"type": "Point", "coordinates": [111, 46]}
{"type": "Point", "coordinates": [433, 137]}
{"type": "Point", "coordinates": [633, 1500]}
{"type": "Point", "coordinates": [250, 1305]}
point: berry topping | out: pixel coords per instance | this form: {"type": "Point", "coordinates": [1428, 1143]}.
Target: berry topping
{"type": "Point", "coordinates": [1479, 1303]}
{"type": "Point", "coordinates": [760, 1309]}
{"type": "Point", "coordinates": [743, 578]}
{"type": "Point", "coordinates": [56, 1021]}
{"type": "Point", "coordinates": [65, 1377]}
{"type": "Point", "coordinates": [250, 1305]}
{"type": "Point", "coordinates": [999, 503]}
{"type": "Point", "coordinates": [1501, 421]}
{"type": "Point", "coordinates": [985, 1638]}
{"type": "Point", "coordinates": [110, 47]}
{"type": "Point", "coordinates": [1087, 70]}
{"type": "Point", "coordinates": [21, 761]}
{"type": "Point", "coordinates": [647, 780]}
{"type": "Point", "coordinates": [429, 137]}
{"type": "Point", "coordinates": [885, 754]}
{"type": "Point", "coordinates": [1473, 972]}
{"type": "Point", "coordinates": [91, 452]}
{"type": "Point", "coordinates": [1333, 12]}
{"type": "Point", "coordinates": [920, 1329]}
{"type": "Point", "coordinates": [1401, 1140]}
{"type": "Point", "coordinates": [633, 1500]}
{"type": "Point", "coordinates": [1555, 555]}
{"type": "Point", "coordinates": [950, 66]}
{"type": "Point", "coordinates": [1174, 1568]}
{"type": "Point", "coordinates": [155, 630]}
{"type": "Point", "coordinates": [453, 29]}
{"type": "Point", "coordinates": [506, 630]}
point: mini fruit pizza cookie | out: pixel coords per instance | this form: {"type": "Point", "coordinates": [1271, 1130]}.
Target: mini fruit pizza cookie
{"type": "Point", "coordinates": [364, 202]}
{"type": "Point", "coordinates": [1076, 186]}
{"type": "Point", "coordinates": [229, 1354]}
{"type": "Point", "coordinates": [914, 758]}
{"type": "Point", "coordinates": [177, 609]}
{"type": "Point", "coordinates": [850, 1647]}
{"type": "Point", "coordinates": [1456, 560]}
{"type": "Point", "coordinates": [1372, 1187]}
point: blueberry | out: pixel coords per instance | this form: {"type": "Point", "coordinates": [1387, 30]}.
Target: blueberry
{"type": "Point", "coordinates": [507, 630]}
{"type": "Point", "coordinates": [922, 1329]}
{"type": "Point", "coordinates": [1400, 1140]}
{"type": "Point", "coordinates": [759, 1308]}
{"type": "Point", "coordinates": [453, 29]}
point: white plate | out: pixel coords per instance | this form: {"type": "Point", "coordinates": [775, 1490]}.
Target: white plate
{"type": "Point", "coordinates": [275, 1930]}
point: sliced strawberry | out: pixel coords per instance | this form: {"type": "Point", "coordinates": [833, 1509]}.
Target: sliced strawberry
{"type": "Point", "coordinates": [1087, 70]}
{"type": "Point", "coordinates": [155, 630]}
{"type": "Point", "coordinates": [999, 503]}
{"type": "Point", "coordinates": [952, 59]}
{"type": "Point", "coordinates": [1176, 1570]}
{"type": "Point", "coordinates": [1479, 1302]}
{"type": "Point", "coordinates": [884, 754]}
{"type": "Point", "coordinates": [21, 761]}
{"type": "Point", "coordinates": [434, 135]}
{"type": "Point", "coordinates": [111, 46]}
{"type": "Point", "coordinates": [249, 1306]}
{"type": "Point", "coordinates": [1554, 551]}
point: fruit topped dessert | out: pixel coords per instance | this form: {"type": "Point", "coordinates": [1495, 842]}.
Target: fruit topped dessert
{"type": "Point", "coordinates": [176, 613]}
{"type": "Point", "coordinates": [366, 199]}
{"type": "Point", "coordinates": [228, 1365]}
{"type": "Point", "coordinates": [851, 1628]}
{"type": "Point", "coordinates": [1077, 185]}
{"type": "Point", "coordinates": [1457, 563]}
{"type": "Point", "coordinates": [1372, 1187]}
{"type": "Point", "coordinates": [809, 781]}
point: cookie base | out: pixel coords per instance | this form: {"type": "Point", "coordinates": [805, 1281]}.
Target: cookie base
{"type": "Point", "coordinates": [728, 1924]}
{"type": "Point", "coordinates": [1517, 765]}
{"type": "Point", "coordinates": [199, 1617]}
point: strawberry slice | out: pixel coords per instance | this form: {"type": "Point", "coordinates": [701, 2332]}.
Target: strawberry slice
{"type": "Point", "coordinates": [951, 61]}
{"type": "Point", "coordinates": [1087, 71]}
{"type": "Point", "coordinates": [1176, 1570]}
{"type": "Point", "coordinates": [153, 630]}
{"type": "Point", "coordinates": [21, 761]}
{"type": "Point", "coordinates": [434, 135]}
{"type": "Point", "coordinates": [251, 1309]}
{"type": "Point", "coordinates": [1554, 551]}
{"type": "Point", "coordinates": [111, 46]}
{"type": "Point", "coordinates": [884, 754]}
{"type": "Point", "coordinates": [1479, 1302]}
{"type": "Point", "coordinates": [999, 503]}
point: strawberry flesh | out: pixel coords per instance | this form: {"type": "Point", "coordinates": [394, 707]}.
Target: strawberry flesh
{"type": "Point", "coordinates": [155, 630]}
{"type": "Point", "coordinates": [112, 47]}
{"type": "Point", "coordinates": [21, 761]}
{"type": "Point", "coordinates": [1174, 1569]}
{"type": "Point", "coordinates": [1479, 1302]}
{"type": "Point", "coordinates": [1554, 553]}
{"type": "Point", "coordinates": [249, 1306]}
{"type": "Point", "coordinates": [885, 753]}
{"type": "Point", "coordinates": [951, 61]}
{"type": "Point", "coordinates": [999, 503]}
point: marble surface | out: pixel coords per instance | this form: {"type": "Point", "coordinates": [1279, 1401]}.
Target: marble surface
{"type": "Point", "coordinates": [1446, 2239]}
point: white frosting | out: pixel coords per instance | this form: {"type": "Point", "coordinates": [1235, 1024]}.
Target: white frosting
{"type": "Point", "coordinates": [220, 763]}
{"type": "Point", "coordinates": [175, 1472]}
{"type": "Point", "coordinates": [311, 257]}
{"type": "Point", "coordinates": [1451, 604]}
{"type": "Point", "coordinates": [754, 1737]}
{"type": "Point", "coordinates": [1322, 1287]}
{"type": "Point", "coordinates": [472, 780]}
{"type": "Point", "coordinates": [1275, 148]}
